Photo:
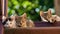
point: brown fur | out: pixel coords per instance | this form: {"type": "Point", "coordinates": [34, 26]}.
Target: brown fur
{"type": "Point", "coordinates": [44, 16]}
{"type": "Point", "coordinates": [48, 16]}
{"type": "Point", "coordinates": [23, 21]}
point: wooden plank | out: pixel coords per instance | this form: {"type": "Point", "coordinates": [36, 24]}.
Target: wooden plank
{"type": "Point", "coordinates": [36, 30]}
{"type": "Point", "coordinates": [4, 7]}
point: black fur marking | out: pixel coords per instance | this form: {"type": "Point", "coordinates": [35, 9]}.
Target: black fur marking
{"type": "Point", "coordinates": [6, 20]}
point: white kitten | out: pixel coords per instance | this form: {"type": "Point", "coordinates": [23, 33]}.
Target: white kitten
{"type": "Point", "coordinates": [10, 23]}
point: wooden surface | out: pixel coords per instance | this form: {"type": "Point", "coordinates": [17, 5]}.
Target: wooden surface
{"type": "Point", "coordinates": [1, 28]}
{"type": "Point", "coordinates": [46, 24]}
{"type": "Point", "coordinates": [35, 30]}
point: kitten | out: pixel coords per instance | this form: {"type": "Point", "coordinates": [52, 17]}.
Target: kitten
{"type": "Point", "coordinates": [48, 17]}
{"type": "Point", "coordinates": [43, 16]}
{"type": "Point", "coordinates": [10, 22]}
{"type": "Point", "coordinates": [55, 18]}
{"type": "Point", "coordinates": [52, 18]}
{"type": "Point", "coordinates": [22, 21]}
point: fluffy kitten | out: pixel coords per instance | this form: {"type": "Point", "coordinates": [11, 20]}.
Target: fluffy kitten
{"type": "Point", "coordinates": [52, 18]}
{"type": "Point", "coordinates": [43, 16]}
{"type": "Point", "coordinates": [48, 17]}
{"type": "Point", "coordinates": [22, 21]}
{"type": "Point", "coordinates": [10, 22]}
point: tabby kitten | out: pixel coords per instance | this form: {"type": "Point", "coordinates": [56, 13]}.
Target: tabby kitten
{"type": "Point", "coordinates": [52, 18]}
{"type": "Point", "coordinates": [23, 21]}
{"type": "Point", "coordinates": [43, 16]}
{"type": "Point", "coordinates": [48, 17]}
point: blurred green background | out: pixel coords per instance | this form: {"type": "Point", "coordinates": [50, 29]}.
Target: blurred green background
{"type": "Point", "coordinates": [31, 7]}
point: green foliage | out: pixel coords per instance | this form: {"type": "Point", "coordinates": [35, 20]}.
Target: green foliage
{"type": "Point", "coordinates": [29, 7]}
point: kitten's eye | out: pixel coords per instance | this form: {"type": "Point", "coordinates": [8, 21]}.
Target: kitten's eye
{"type": "Point", "coordinates": [52, 19]}
{"type": "Point", "coordinates": [22, 21]}
{"type": "Point", "coordinates": [6, 20]}
{"type": "Point", "coordinates": [10, 19]}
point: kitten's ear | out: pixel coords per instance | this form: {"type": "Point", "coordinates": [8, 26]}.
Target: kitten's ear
{"type": "Point", "coordinates": [41, 13]}
{"type": "Point", "coordinates": [12, 17]}
{"type": "Point", "coordinates": [24, 15]}
{"type": "Point", "coordinates": [49, 11]}
{"type": "Point", "coordinates": [4, 18]}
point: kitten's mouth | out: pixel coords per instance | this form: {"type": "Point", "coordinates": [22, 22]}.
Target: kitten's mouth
{"type": "Point", "coordinates": [6, 26]}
